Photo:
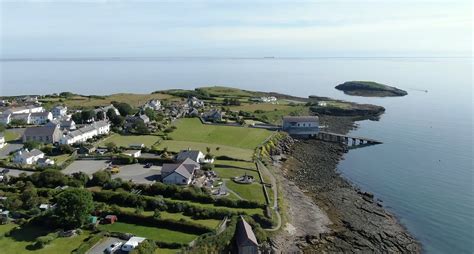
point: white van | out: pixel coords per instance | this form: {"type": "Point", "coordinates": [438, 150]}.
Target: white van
{"type": "Point", "coordinates": [132, 243]}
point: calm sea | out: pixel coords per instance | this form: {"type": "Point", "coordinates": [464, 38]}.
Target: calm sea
{"type": "Point", "coordinates": [424, 170]}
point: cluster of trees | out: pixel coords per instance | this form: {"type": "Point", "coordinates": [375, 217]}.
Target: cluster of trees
{"type": "Point", "coordinates": [152, 203]}
{"type": "Point", "coordinates": [231, 102]}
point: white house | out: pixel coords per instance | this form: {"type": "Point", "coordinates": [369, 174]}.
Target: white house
{"type": "Point", "coordinates": [2, 141]}
{"type": "Point", "coordinates": [87, 132]}
{"type": "Point", "coordinates": [25, 117]}
{"type": "Point", "coordinates": [181, 173]}
{"type": "Point", "coordinates": [153, 104]}
{"type": "Point", "coordinates": [27, 157]}
{"type": "Point", "coordinates": [132, 243]}
{"type": "Point", "coordinates": [41, 117]}
{"type": "Point", "coordinates": [59, 111]}
{"type": "Point", "coordinates": [133, 153]}
{"type": "Point", "coordinates": [194, 155]}
{"type": "Point", "coordinates": [301, 125]}
{"type": "Point", "coordinates": [25, 109]}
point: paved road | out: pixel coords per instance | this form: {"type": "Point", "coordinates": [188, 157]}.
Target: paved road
{"type": "Point", "coordinates": [102, 245]}
{"type": "Point", "coordinates": [87, 166]}
{"type": "Point", "coordinates": [10, 147]}
{"type": "Point", "coordinates": [267, 172]}
{"type": "Point", "coordinates": [17, 172]}
{"type": "Point", "coordinates": [139, 174]}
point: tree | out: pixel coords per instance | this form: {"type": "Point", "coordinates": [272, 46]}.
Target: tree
{"type": "Point", "coordinates": [111, 113]}
{"type": "Point", "coordinates": [99, 178]}
{"type": "Point", "coordinates": [49, 178]}
{"type": "Point", "coordinates": [81, 177]}
{"type": "Point", "coordinates": [87, 115]}
{"type": "Point", "coordinates": [218, 148]}
{"type": "Point", "coordinates": [66, 94]}
{"type": "Point", "coordinates": [141, 128]}
{"type": "Point", "coordinates": [124, 108]}
{"type": "Point", "coordinates": [157, 214]}
{"type": "Point", "coordinates": [100, 115]}
{"type": "Point", "coordinates": [31, 144]}
{"type": "Point", "coordinates": [29, 197]}
{"type": "Point", "coordinates": [117, 121]}
{"type": "Point", "coordinates": [111, 146]}
{"type": "Point", "coordinates": [151, 114]}
{"type": "Point", "coordinates": [145, 247]}
{"type": "Point", "coordinates": [66, 149]}
{"type": "Point", "coordinates": [77, 117]}
{"type": "Point", "coordinates": [73, 207]}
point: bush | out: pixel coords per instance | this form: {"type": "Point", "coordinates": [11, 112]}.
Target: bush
{"type": "Point", "coordinates": [45, 240]}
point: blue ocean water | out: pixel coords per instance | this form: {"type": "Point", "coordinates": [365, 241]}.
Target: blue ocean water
{"type": "Point", "coordinates": [424, 169]}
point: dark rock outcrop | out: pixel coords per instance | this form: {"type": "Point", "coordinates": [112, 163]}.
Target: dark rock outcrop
{"type": "Point", "coordinates": [370, 89]}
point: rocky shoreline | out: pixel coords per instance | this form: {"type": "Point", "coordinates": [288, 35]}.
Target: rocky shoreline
{"type": "Point", "coordinates": [358, 223]}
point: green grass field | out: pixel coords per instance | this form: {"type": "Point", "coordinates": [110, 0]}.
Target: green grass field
{"type": "Point", "coordinates": [234, 152]}
{"type": "Point", "coordinates": [222, 91]}
{"type": "Point", "coordinates": [229, 169]}
{"type": "Point", "coordinates": [11, 135]}
{"type": "Point", "coordinates": [253, 191]}
{"type": "Point", "coordinates": [154, 233]}
{"type": "Point", "coordinates": [191, 129]}
{"type": "Point", "coordinates": [135, 100]}
{"type": "Point", "coordinates": [20, 241]}
{"type": "Point", "coordinates": [60, 159]}
{"type": "Point", "coordinates": [122, 140]}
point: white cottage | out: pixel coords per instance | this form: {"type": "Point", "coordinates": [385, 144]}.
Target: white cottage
{"type": "Point", "coordinates": [27, 157]}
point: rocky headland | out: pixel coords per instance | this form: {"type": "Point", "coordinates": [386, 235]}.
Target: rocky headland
{"type": "Point", "coordinates": [357, 223]}
{"type": "Point", "coordinates": [369, 89]}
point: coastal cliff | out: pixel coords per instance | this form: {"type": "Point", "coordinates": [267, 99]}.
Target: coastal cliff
{"type": "Point", "coordinates": [369, 89]}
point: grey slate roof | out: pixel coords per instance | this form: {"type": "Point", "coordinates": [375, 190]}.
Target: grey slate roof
{"type": "Point", "coordinates": [40, 114]}
{"type": "Point", "coordinates": [185, 168]}
{"type": "Point", "coordinates": [27, 154]}
{"type": "Point", "coordinates": [184, 154]}
{"type": "Point", "coordinates": [47, 130]}
{"type": "Point", "coordinates": [300, 119]}
{"type": "Point", "coordinates": [245, 233]}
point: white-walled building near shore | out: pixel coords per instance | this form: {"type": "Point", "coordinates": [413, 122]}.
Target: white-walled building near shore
{"type": "Point", "coordinates": [27, 157]}
{"type": "Point", "coordinates": [87, 132]}
{"type": "Point", "coordinates": [40, 117]}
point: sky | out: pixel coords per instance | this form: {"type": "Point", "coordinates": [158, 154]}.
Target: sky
{"type": "Point", "coordinates": [68, 28]}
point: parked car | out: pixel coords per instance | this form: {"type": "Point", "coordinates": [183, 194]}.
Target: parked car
{"type": "Point", "coordinates": [114, 169]}
{"type": "Point", "coordinates": [113, 247]}
{"type": "Point", "coordinates": [148, 165]}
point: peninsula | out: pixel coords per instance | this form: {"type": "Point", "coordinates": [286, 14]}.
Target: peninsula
{"type": "Point", "coordinates": [206, 170]}
{"type": "Point", "coordinates": [370, 89]}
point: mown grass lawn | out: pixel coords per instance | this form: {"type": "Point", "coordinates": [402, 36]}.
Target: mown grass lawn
{"type": "Point", "coordinates": [154, 233]}
{"type": "Point", "coordinates": [191, 129]}
{"type": "Point", "coordinates": [234, 152]}
{"type": "Point", "coordinates": [230, 172]}
{"type": "Point", "coordinates": [253, 191]}
{"type": "Point", "coordinates": [11, 135]}
{"type": "Point", "coordinates": [20, 241]}
{"type": "Point", "coordinates": [126, 140]}
{"type": "Point", "coordinates": [60, 159]}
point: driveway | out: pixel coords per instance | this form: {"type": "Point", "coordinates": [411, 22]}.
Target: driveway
{"type": "Point", "coordinates": [139, 174]}
{"type": "Point", "coordinates": [87, 166]}
{"type": "Point", "coordinates": [10, 147]}
{"type": "Point", "coordinates": [100, 247]}
{"type": "Point", "coordinates": [17, 172]}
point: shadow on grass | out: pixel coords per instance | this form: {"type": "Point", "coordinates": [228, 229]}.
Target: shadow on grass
{"type": "Point", "coordinates": [28, 233]}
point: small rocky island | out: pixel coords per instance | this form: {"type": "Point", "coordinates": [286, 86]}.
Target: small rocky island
{"type": "Point", "coordinates": [369, 89]}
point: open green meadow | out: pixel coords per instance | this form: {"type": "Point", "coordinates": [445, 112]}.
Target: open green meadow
{"type": "Point", "coordinates": [135, 100]}
{"type": "Point", "coordinates": [11, 135]}
{"type": "Point", "coordinates": [234, 152]}
{"type": "Point", "coordinates": [153, 233]}
{"type": "Point", "coordinates": [126, 140]}
{"type": "Point", "coordinates": [191, 129]}
{"type": "Point", "coordinates": [253, 191]}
